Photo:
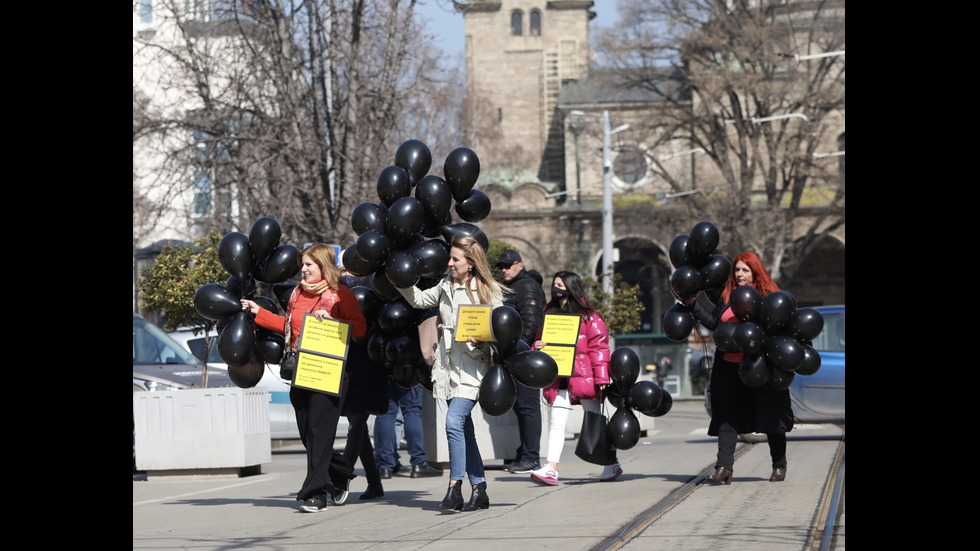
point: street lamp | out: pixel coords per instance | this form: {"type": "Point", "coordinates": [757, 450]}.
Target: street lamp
{"type": "Point", "coordinates": [607, 206]}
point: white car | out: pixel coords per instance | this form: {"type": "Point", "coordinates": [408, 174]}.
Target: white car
{"type": "Point", "coordinates": [282, 416]}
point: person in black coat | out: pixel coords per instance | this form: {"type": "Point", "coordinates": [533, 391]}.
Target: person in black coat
{"type": "Point", "coordinates": [527, 297]}
{"type": "Point", "coordinates": [737, 408]}
{"type": "Point", "coordinates": [367, 394]}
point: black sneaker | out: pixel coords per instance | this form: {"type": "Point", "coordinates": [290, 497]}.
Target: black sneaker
{"type": "Point", "coordinates": [340, 492]}
{"type": "Point", "coordinates": [313, 505]}
{"type": "Point", "coordinates": [523, 467]}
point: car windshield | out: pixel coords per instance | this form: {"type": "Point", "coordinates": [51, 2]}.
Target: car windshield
{"type": "Point", "coordinates": [831, 339]}
{"type": "Point", "coordinates": [151, 345]}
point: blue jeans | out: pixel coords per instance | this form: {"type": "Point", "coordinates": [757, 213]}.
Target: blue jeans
{"type": "Point", "coordinates": [385, 440]}
{"type": "Point", "coordinates": [464, 454]}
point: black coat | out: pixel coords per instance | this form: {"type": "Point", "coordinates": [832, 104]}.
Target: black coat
{"type": "Point", "coordinates": [747, 409]}
{"type": "Point", "coordinates": [367, 385]}
{"type": "Point", "coordinates": [527, 298]}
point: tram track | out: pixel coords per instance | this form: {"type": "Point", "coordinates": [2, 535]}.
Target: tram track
{"type": "Point", "coordinates": [823, 526]}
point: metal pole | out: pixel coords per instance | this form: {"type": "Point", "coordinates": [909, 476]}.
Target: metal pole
{"type": "Point", "coordinates": [607, 208]}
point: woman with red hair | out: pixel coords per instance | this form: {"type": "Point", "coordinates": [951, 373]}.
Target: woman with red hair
{"type": "Point", "coordinates": [737, 408]}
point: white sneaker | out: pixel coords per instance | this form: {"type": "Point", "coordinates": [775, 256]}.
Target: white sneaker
{"type": "Point", "coordinates": [611, 472]}
{"type": "Point", "coordinates": [545, 475]}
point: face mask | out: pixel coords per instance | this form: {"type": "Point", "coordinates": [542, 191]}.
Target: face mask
{"type": "Point", "coordinates": [558, 294]}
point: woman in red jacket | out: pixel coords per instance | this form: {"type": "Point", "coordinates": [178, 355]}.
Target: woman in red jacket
{"type": "Point", "coordinates": [590, 375]}
{"type": "Point", "coordinates": [319, 293]}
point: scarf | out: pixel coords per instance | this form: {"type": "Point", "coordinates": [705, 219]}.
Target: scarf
{"type": "Point", "coordinates": [316, 288]}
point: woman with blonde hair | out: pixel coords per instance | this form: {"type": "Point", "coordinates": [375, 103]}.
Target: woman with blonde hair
{"type": "Point", "coordinates": [459, 367]}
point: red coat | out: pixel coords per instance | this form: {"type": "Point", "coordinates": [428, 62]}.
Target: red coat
{"type": "Point", "coordinates": [591, 362]}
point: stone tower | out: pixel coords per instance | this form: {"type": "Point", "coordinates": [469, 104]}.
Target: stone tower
{"type": "Point", "coordinates": [518, 55]}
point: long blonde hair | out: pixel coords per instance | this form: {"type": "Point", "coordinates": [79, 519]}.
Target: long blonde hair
{"type": "Point", "coordinates": [486, 286]}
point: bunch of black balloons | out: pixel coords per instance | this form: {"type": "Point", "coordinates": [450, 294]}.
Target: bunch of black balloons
{"type": "Point", "coordinates": [256, 257]}
{"type": "Point", "coordinates": [627, 394]}
{"type": "Point", "coordinates": [404, 241]}
{"type": "Point", "coordinates": [774, 334]}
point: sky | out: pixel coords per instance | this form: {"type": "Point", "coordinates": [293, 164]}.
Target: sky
{"type": "Point", "coordinates": [450, 36]}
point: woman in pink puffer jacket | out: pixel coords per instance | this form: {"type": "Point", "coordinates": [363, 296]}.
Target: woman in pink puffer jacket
{"type": "Point", "coordinates": [590, 375]}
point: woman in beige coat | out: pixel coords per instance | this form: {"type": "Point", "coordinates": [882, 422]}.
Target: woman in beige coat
{"type": "Point", "coordinates": [459, 367]}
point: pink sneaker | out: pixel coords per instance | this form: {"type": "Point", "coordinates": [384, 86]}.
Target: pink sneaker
{"type": "Point", "coordinates": [545, 475]}
{"type": "Point", "coordinates": [611, 472]}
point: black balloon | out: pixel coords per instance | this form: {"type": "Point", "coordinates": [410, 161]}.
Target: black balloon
{"type": "Point", "coordinates": [753, 370]}
{"type": "Point", "coordinates": [474, 207]}
{"type": "Point", "coordinates": [624, 367]}
{"type": "Point", "coordinates": [281, 265]}
{"type": "Point", "coordinates": [393, 184]}
{"type": "Point", "coordinates": [373, 247]}
{"type": "Point", "coordinates": [383, 287]}
{"type": "Point", "coordinates": [239, 290]}
{"type": "Point", "coordinates": [716, 272]}
{"type": "Point", "coordinates": [783, 352]}
{"type": "Point", "coordinates": [623, 429]}
{"type": "Point", "coordinates": [369, 302]}
{"type": "Point", "coordinates": [780, 379]}
{"type": "Point", "coordinates": [357, 265]}
{"type": "Point", "coordinates": [268, 303]}
{"type": "Point", "coordinates": [452, 231]}
{"type": "Point", "coordinates": [532, 368]}
{"type": "Point", "coordinates": [666, 402]}
{"type": "Point", "coordinates": [462, 168]}
{"type": "Point", "coordinates": [804, 324]}
{"type": "Point", "coordinates": [377, 345]}
{"type": "Point", "coordinates": [498, 392]}
{"type": "Point", "coordinates": [236, 343]}
{"type": "Point", "coordinates": [685, 282]}
{"type": "Point", "coordinates": [436, 197]}
{"type": "Point", "coordinates": [396, 317]}
{"type": "Point", "coordinates": [644, 396]}
{"type": "Point", "coordinates": [213, 301]}
{"type": "Point", "coordinates": [402, 349]}
{"type": "Point", "coordinates": [368, 216]}
{"type": "Point", "coordinates": [283, 291]}
{"type": "Point", "coordinates": [775, 311]}
{"type": "Point", "coordinates": [414, 156]}
{"type": "Point", "coordinates": [811, 361]}
{"type": "Point", "coordinates": [506, 326]}
{"type": "Point", "coordinates": [678, 322]}
{"type": "Point", "coordinates": [617, 396]}
{"type": "Point", "coordinates": [433, 257]}
{"type": "Point", "coordinates": [269, 345]}
{"type": "Point", "coordinates": [745, 302]}
{"type": "Point", "coordinates": [402, 269]}
{"type": "Point", "coordinates": [264, 236]}
{"type": "Point", "coordinates": [404, 219]}
{"type": "Point", "coordinates": [248, 374]}
{"type": "Point", "coordinates": [235, 254]}
{"type": "Point", "coordinates": [680, 253]}
{"type": "Point", "coordinates": [724, 336]}
{"type": "Point", "coordinates": [703, 241]}
{"type": "Point", "coordinates": [405, 376]}
{"type": "Point", "coordinates": [749, 337]}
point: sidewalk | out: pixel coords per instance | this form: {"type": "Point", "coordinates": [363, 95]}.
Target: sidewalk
{"type": "Point", "coordinates": [260, 512]}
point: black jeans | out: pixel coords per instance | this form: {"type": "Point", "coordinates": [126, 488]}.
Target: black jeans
{"type": "Point", "coordinates": [527, 407]}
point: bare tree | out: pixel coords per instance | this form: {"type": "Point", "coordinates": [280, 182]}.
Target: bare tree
{"type": "Point", "coordinates": [282, 109]}
{"type": "Point", "coordinates": [761, 105]}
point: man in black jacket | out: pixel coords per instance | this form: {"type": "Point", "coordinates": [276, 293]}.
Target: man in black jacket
{"type": "Point", "coordinates": [527, 298]}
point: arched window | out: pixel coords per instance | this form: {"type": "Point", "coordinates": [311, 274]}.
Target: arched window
{"type": "Point", "coordinates": [630, 165]}
{"type": "Point", "coordinates": [535, 23]}
{"type": "Point", "coordinates": [517, 23]}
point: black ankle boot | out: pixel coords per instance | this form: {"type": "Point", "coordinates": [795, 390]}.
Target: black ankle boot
{"type": "Point", "coordinates": [479, 498]}
{"type": "Point", "coordinates": [454, 497]}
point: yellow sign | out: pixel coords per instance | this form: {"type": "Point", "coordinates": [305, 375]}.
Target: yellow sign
{"type": "Point", "coordinates": [473, 322]}
{"type": "Point", "coordinates": [560, 332]}
{"type": "Point", "coordinates": [322, 349]}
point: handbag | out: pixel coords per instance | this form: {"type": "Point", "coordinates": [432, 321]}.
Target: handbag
{"type": "Point", "coordinates": [290, 357]}
{"type": "Point", "coordinates": [594, 445]}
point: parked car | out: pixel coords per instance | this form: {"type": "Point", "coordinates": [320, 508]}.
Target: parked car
{"type": "Point", "coordinates": [282, 416]}
{"type": "Point", "coordinates": [817, 398]}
